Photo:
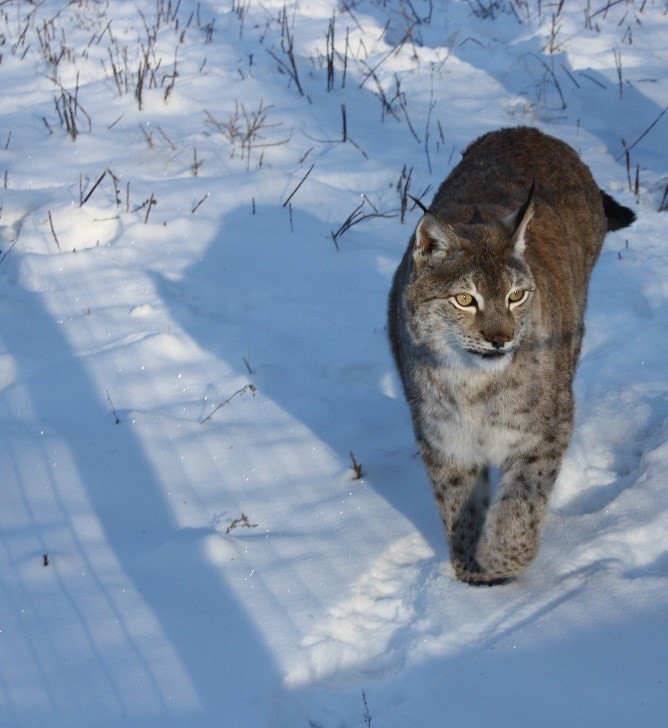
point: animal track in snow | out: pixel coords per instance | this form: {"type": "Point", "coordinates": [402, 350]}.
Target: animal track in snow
{"type": "Point", "coordinates": [365, 633]}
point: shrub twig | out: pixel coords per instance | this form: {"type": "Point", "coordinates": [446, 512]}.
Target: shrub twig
{"type": "Point", "coordinates": [247, 388]}
{"type": "Point", "coordinates": [241, 522]}
{"type": "Point", "coordinates": [357, 468]}
{"type": "Point", "coordinates": [53, 231]}
{"type": "Point", "coordinates": [301, 182]}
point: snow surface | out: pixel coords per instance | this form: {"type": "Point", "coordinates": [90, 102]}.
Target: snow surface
{"type": "Point", "coordinates": [182, 383]}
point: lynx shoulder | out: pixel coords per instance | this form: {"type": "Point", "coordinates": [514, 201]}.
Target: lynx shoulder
{"type": "Point", "coordinates": [486, 321]}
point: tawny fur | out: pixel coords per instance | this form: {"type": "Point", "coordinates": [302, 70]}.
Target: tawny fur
{"type": "Point", "coordinates": [490, 383]}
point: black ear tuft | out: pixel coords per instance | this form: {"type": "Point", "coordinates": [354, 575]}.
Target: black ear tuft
{"type": "Point", "coordinates": [523, 210]}
{"type": "Point", "coordinates": [419, 204]}
{"type": "Point", "coordinates": [517, 223]}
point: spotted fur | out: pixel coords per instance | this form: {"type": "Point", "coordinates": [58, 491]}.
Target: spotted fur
{"type": "Point", "coordinates": [486, 322]}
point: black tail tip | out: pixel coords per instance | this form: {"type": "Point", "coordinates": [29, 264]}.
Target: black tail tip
{"type": "Point", "coordinates": [617, 215]}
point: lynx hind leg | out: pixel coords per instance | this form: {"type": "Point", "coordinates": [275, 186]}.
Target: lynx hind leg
{"type": "Point", "coordinates": [462, 496]}
{"type": "Point", "coordinates": [511, 537]}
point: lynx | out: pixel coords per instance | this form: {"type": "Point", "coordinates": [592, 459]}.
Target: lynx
{"type": "Point", "coordinates": [486, 322]}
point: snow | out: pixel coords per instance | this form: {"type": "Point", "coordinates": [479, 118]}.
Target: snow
{"type": "Point", "coordinates": [193, 351]}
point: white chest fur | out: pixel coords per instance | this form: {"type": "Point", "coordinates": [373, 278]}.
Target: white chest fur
{"type": "Point", "coordinates": [467, 441]}
{"type": "Point", "coordinates": [469, 431]}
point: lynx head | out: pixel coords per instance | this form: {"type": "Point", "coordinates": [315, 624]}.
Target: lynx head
{"type": "Point", "coordinates": [471, 290]}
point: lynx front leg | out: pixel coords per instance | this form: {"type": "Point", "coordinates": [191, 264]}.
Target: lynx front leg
{"type": "Point", "coordinates": [511, 536]}
{"type": "Point", "coordinates": [462, 496]}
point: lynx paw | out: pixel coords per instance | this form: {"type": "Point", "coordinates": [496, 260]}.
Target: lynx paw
{"type": "Point", "coordinates": [469, 571]}
{"type": "Point", "coordinates": [478, 578]}
{"type": "Point", "coordinates": [511, 538]}
{"type": "Point", "coordinates": [503, 564]}
{"type": "Point", "coordinates": [503, 558]}
{"type": "Point", "coordinates": [488, 572]}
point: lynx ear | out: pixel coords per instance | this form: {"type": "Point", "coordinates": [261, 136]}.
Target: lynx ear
{"type": "Point", "coordinates": [433, 236]}
{"type": "Point", "coordinates": [518, 222]}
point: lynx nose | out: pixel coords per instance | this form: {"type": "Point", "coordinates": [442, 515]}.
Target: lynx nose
{"type": "Point", "coordinates": [498, 340]}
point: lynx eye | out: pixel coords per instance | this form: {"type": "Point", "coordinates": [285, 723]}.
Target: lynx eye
{"type": "Point", "coordinates": [465, 300]}
{"type": "Point", "coordinates": [517, 296]}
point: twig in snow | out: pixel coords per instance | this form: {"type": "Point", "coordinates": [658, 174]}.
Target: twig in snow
{"type": "Point", "coordinates": [151, 201]}
{"type": "Point", "coordinates": [148, 136]}
{"type": "Point", "coordinates": [288, 48]}
{"type": "Point", "coordinates": [662, 206]}
{"type": "Point", "coordinates": [170, 143]}
{"type": "Point", "coordinates": [292, 225]}
{"type": "Point", "coordinates": [113, 123]}
{"type": "Point", "coordinates": [93, 188]}
{"type": "Point", "coordinates": [303, 179]}
{"type": "Point", "coordinates": [357, 468]}
{"type": "Point", "coordinates": [618, 66]}
{"type": "Point", "coordinates": [53, 231]}
{"type": "Point", "coordinates": [117, 419]}
{"type": "Point", "coordinates": [329, 40]}
{"type": "Point", "coordinates": [10, 248]}
{"type": "Point", "coordinates": [197, 163]}
{"type": "Point", "coordinates": [242, 522]}
{"type": "Point", "coordinates": [344, 135]}
{"type": "Point", "coordinates": [197, 204]}
{"type": "Point", "coordinates": [627, 156]}
{"type": "Point", "coordinates": [247, 388]}
{"type": "Point", "coordinates": [432, 104]}
{"type": "Point", "coordinates": [355, 218]}
{"type": "Point", "coordinates": [68, 107]}
{"type": "Point", "coordinates": [403, 187]}
{"type": "Point", "coordinates": [246, 129]}
{"type": "Point", "coordinates": [367, 712]}
{"type": "Point", "coordinates": [372, 71]}
{"type": "Point", "coordinates": [644, 134]}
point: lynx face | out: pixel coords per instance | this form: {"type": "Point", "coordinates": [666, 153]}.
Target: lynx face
{"type": "Point", "coordinates": [472, 293]}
